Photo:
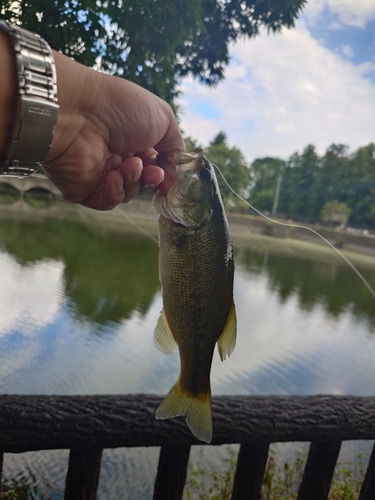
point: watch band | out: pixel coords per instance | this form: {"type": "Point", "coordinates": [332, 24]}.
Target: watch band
{"type": "Point", "coordinates": [31, 133]}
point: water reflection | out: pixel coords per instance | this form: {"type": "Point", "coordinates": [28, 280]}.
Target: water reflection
{"type": "Point", "coordinates": [65, 284]}
{"type": "Point", "coordinates": [79, 305]}
{"type": "Point", "coordinates": [106, 277]}
{"type": "Point", "coordinates": [332, 285]}
{"type": "Point", "coordinates": [39, 198]}
{"type": "Point", "coordinates": [8, 194]}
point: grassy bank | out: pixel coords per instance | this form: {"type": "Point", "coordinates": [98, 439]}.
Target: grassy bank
{"type": "Point", "coordinates": [280, 481]}
{"type": "Point", "coordinates": [247, 232]}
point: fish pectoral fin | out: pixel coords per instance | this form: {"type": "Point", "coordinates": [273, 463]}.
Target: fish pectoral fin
{"type": "Point", "coordinates": [227, 339]}
{"type": "Point", "coordinates": [163, 337]}
{"type": "Point", "coordinates": [197, 411]}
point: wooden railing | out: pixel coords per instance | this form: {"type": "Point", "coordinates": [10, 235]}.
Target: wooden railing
{"type": "Point", "coordinates": [88, 424]}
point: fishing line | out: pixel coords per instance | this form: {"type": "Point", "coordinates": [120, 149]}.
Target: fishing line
{"type": "Point", "coordinates": [362, 278]}
{"type": "Point", "coordinates": [364, 387]}
{"type": "Point", "coordinates": [146, 233]}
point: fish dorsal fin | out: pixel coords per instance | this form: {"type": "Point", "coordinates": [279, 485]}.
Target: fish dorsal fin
{"type": "Point", "coordinates": [183, 250]}
{"type": "Point", "coordinates": [227, 339]}
{"type": "Point", "coordinates": [163, 337]}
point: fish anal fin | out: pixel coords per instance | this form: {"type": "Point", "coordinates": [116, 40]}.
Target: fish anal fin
{"type": "Point", "coordinates": [163, 337]}
{"type": "Point", "coordinates": [197, 411]}
{"type": "Point", "coordinates": [227, 339]}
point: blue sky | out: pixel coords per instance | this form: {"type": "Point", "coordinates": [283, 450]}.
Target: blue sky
{"type": "Point", "coordinates": [314, 84]}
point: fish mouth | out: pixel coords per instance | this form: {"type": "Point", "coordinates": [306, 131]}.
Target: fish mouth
{"type": "Point", "coordinates": [180, 162]}
{"type": "Point", "coordinates": [167, 163]}
{"type": "Point", "coordinates": [171, 203]}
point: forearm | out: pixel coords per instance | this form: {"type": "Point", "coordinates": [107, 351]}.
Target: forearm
{"type": "Point", "coordinates": [7, 89]}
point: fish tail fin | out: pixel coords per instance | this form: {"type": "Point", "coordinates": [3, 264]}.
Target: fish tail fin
{"type": "Point", "coordinates": [197, 411]}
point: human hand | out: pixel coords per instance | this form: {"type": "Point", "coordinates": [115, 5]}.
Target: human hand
{"type": "Point", "coordinates": [108, 134]}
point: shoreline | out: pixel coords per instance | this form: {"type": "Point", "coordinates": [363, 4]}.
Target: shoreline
{"type": "Point", "coordinates": [247, 231]}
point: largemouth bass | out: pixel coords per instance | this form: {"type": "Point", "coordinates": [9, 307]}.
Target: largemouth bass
{"type": "Point", "coordinates": [196, 273]}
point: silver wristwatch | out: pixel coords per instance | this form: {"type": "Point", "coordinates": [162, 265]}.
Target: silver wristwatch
{"type": "Point", "coordinates": [35, 119]}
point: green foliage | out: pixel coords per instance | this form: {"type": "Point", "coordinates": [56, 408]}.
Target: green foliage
{"type": "Point", "coordinates": [264, 175]}
{"type": "Point", "coordinates": [336, 212]}
{"type": "Point", "coordinates": [190, 143]}
{"type": "Point", "coordinates": [279, 482]}
{"type": "Point", "coordinates": [8, 194]}
{"type": "Point", "coordinates": [24, 486]}
{"type": "Point", "coordinates": [88, 253]}
{"type": "Point", "coordinates": [309, 182]}
{"type": "Point", "coordinates": [300, 174]}
{"type": "Point", "coordinates": [232, 165]}
{"type": "Point", "coordinates": [204, 485]}
{"type": "Point", "coordinates": [282, 483]}
{"type": "Point", "coordinates": [154, 43]}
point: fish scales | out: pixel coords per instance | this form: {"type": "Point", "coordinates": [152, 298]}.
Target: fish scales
{"type": "Point", "coordinates": [196, 273]}
{"type": "Point", "coordinates": [197, 300]}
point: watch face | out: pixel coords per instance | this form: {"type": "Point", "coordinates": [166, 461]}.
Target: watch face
{"type": "Point", "coordinates": [37, 104]}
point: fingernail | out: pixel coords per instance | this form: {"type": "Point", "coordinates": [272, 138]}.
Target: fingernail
{"type": "Point", "coordinates": [149, 186]}
{"type": "Point", "coordinates": [136, 176]}
{"type": "Point", "coordinates": [119, 186]}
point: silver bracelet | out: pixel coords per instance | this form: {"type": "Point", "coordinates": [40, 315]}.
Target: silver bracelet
{"type": "Point", "coordinates": [35, 121]}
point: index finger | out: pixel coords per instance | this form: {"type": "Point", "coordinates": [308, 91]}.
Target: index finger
{"type": "Point", "coordinates": [172, 141]}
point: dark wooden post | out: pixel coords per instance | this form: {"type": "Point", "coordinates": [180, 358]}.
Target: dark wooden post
{"type": "Point", "coordinates": [172, 470]}
{"type": "Point", "coordinates": [83, 474]}
{"type": "Point", "coordinates": [318, 473]}
{"type": "Point", "coordinates": [368, 485]}
{"type": "Point", "coordinates": [1, 470]}
{"type": "Point", "coordinates": [251, 464]}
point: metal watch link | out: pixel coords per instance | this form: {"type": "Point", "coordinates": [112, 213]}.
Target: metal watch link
{"type": "Point", "coordinates": [36, 110]}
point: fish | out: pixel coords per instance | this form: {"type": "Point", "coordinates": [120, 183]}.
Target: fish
{"type": "Point", "coordinates": [196, 270]}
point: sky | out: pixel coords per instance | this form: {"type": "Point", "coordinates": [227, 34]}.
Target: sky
{"type": "Point", "coordinates": [314, 84]}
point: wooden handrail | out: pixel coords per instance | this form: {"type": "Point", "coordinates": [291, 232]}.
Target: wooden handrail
{"type": "Point", "coordinates": [88, 424]}
{"type": "Point", "coordinates": [29, 423]}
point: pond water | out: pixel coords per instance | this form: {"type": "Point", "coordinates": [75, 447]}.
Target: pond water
{"type": "Point", "coordinates": [78, 309]}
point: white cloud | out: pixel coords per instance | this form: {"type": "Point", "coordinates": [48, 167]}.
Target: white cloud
{"type": "Point", "coordinates": [312, 343]}
{"type": "Point", "coordinates": [349, 12]}
{"type": "Point", "coordinates": [281, 93]}
{"type": "Point", "coordinates": [29, 297]}
{"type": "Point", "coordinates": [347, 50]}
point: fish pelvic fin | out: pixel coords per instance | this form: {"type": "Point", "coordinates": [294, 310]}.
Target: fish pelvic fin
{"type": "Point", "coordinates": [227, 339]}
{"type": "Point", "coordinates": [197, 411]}
{"type": "Point", "coordinates": [163, 338]}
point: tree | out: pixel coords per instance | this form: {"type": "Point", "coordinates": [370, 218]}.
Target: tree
{"type": "Point", "coordinates": [154, 43]}
{"type": "Point", "coordinates": [358, 181]}
{"type": "Point", "coordinates": [333, 176]}
{"type": "Point", "coordinates": [335, 212]}
{"type": "Point", "coordinates": [298, 194]}
{"type": "Point", "coordinates": [264, 175]}
{"type": "Point", "coordinates": [233, 167]}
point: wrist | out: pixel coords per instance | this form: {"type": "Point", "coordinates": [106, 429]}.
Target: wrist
{"type": "Point", "coordinates": [77, 90]}
{"type": "Point", "coordinates": [29, 127]}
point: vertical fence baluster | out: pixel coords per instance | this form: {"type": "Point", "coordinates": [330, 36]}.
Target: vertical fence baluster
{"type": "Point", "coordinates": [368, 485]}
{"type": "Point", "coordinates": [1, 470]}
{"type": "Point", "coordinates": [172, 470]}
{"type": "Point", "coordinates": [83, 474]}
{"type": "Point", "coordinates": [252, 460]}
{"type": "Point", "coordinates": [318, 473]}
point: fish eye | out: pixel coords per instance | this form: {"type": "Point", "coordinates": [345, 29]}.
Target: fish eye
{"type": "Point", "coordinates": [205, 175]}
